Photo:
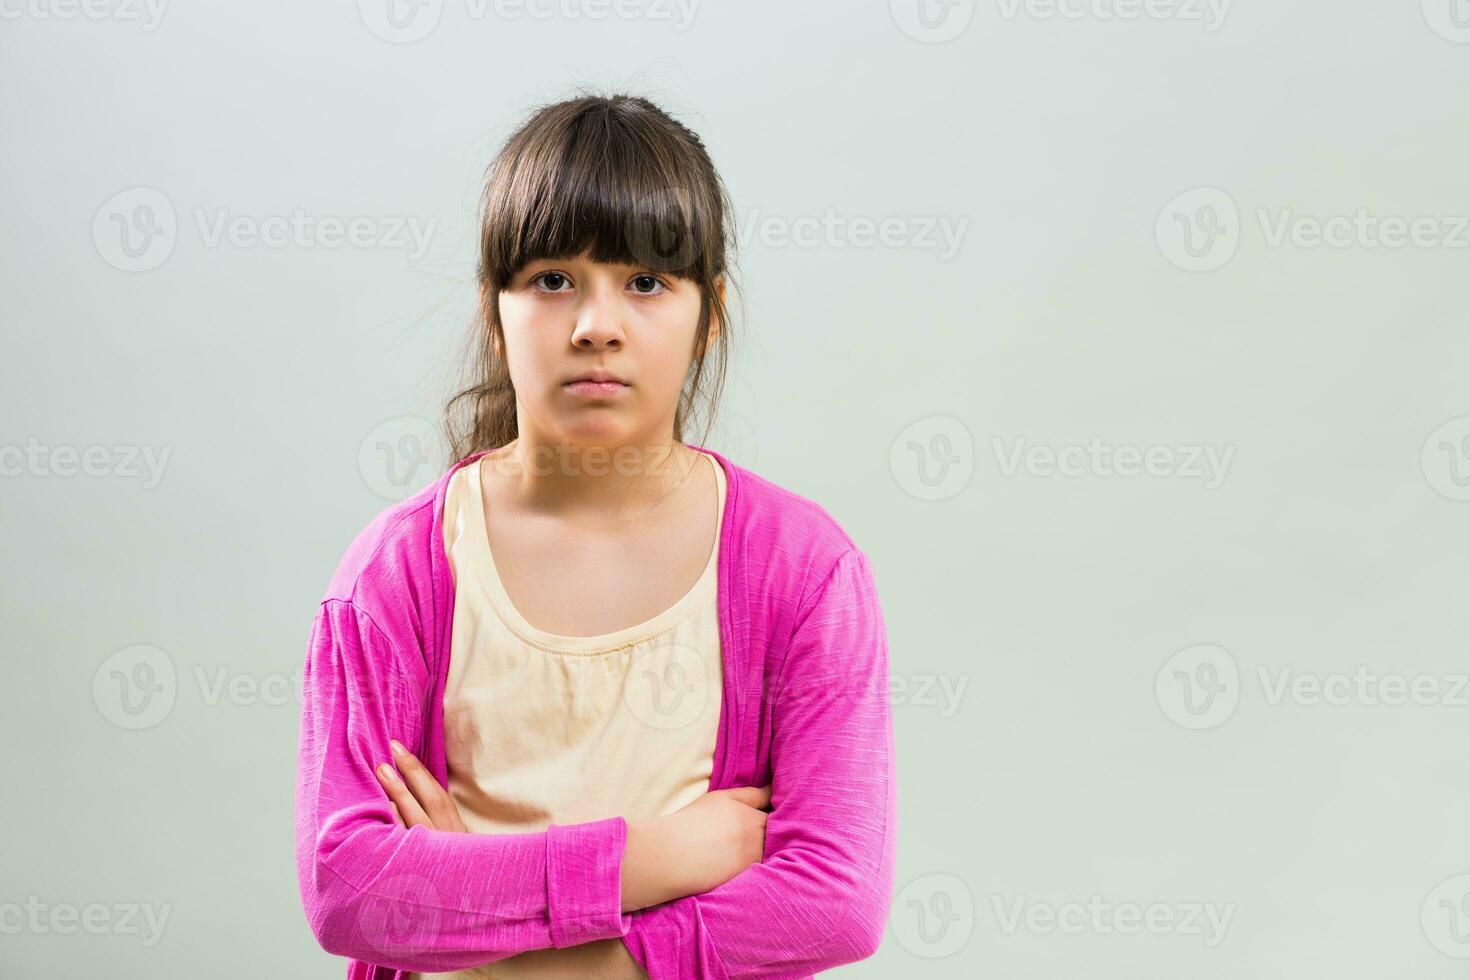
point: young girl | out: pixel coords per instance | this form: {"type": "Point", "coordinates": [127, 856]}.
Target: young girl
{"type": "Point", "coordinates": [598, 702]}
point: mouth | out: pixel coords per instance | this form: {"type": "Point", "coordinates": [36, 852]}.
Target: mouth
{"type": "Point", "coordinates": [596, 385]}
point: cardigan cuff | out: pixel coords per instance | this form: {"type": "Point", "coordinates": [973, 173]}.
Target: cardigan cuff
{"type": "Point", "coordinates": [584, 889]}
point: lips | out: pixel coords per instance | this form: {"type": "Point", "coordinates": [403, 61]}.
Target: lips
{"type": "Point", "coordinates": [598, 377]}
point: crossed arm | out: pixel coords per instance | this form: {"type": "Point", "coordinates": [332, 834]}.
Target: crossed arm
{"type": "Point", "coordinates": [387, 889]}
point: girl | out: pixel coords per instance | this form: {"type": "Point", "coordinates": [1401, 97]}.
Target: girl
{"type": "Point", "coordinates": [598, 702]}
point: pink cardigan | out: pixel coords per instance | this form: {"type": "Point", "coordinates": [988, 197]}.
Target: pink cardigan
{"type": "Point", "coordinates": [805, 707]}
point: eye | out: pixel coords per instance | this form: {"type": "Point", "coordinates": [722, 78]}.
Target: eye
{"type": "Point", "coordinates": [552, 279]}
{"type": "Point", "coordinates": [654, 283]}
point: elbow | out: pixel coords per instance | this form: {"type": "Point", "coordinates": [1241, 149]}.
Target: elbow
{"type": "Point", "coordinates": [329, 914]}
{"type": "Point", "coordinates": [864, 935]}
{"type": "Point", "coordinates": [861, 930]}
{"type": "Point", "coordinates": [373, 925]}
{"type": "Point", "coordinates": [868, 938]}
{"type": "Point", "coordinates": [387, 927]}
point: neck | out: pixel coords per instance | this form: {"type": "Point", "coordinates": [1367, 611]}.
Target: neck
{"type": "Point", "coordinates": [605, 482]}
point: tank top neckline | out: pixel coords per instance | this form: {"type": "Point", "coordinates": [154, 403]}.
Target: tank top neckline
{"type": "Point", "coordinates": [487, 575]}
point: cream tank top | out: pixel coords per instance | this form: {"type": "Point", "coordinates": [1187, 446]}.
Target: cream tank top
{"type": "Point", "coordinates": [541, 728]}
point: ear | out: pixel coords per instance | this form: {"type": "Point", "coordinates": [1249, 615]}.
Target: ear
{"type": "Point", "coordinates": [495, 344]}
{"type": "Point", "coordinates": [714, 323]}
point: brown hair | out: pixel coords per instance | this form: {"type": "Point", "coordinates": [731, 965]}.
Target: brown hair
{"type": "Point", "coordinates": [617, 176]}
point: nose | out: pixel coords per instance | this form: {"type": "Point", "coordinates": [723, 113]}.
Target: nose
{"type": "Point", "coordinates": [599, 319]}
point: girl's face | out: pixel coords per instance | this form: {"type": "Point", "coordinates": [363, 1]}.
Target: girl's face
{"type": "Point", "coordinates": [569, 317]}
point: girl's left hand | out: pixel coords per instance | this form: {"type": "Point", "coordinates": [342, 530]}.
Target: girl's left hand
{"type": "Point", "coordinates": [417, 798]}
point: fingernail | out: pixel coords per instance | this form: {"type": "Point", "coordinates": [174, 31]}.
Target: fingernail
{"type": "Point", "coordinates": [387, 772]}
{"type": "Point", "coordinates": [398, 748]}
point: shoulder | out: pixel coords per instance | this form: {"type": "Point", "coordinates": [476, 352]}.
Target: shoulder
{"type": "Point", "coordinates": [388, 572]}
{"type": "Point", "coordinates": [791, 544]}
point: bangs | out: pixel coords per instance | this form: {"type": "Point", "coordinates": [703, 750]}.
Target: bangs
{"type": "Point", "coordinates": [600, 184]}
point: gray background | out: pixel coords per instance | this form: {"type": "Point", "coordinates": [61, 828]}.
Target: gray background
{"type": "Point", "coordinates": [1112, 646]}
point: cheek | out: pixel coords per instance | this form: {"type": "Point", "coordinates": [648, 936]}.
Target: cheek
{"type": "Point", "coordinates": [527, 340]}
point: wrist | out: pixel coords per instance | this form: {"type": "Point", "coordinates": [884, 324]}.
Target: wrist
{"type": "Point", "coordinates": [650, 875]}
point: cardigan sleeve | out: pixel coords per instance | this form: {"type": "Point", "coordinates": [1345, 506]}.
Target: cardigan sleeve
{"type": "Point", "coordinates": [417, 898]}
{"type": "Point", "coordinates": [820, 897]}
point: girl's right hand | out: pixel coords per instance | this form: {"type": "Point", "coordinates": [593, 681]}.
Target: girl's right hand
{"type": "Point", "coordinates": [696, 848]}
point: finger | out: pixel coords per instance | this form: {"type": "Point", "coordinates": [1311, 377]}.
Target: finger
{"type": "Point", "coordinates": [398, 817]}
{"type": "Point", "coordinates": [403, 802]}
{"type": "Point", "coordinates": [425, 788]}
